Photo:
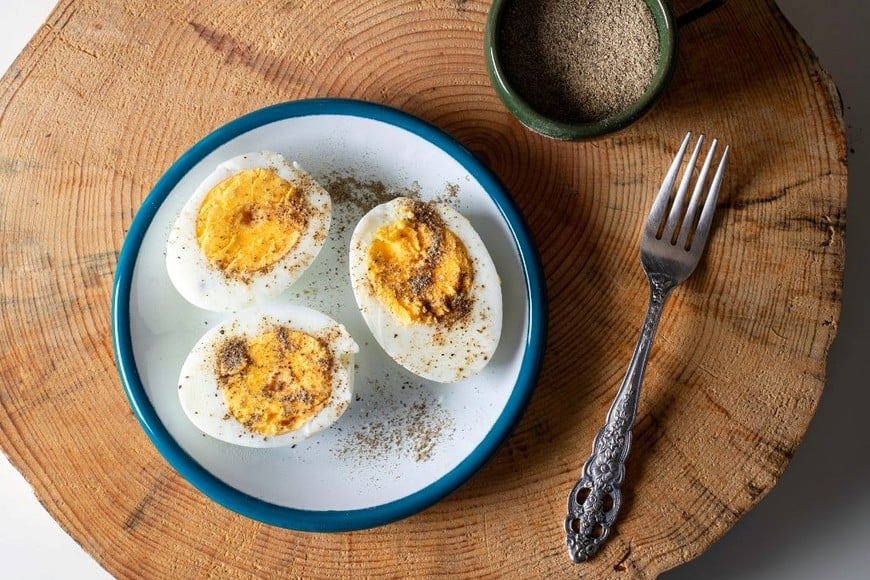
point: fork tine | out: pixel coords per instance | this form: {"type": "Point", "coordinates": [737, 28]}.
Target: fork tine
{"type": "Point", "coordinates": [676, 213]}
{"type": "Point", "coordinates": [706, 221]}
{"type": "Point", "coordinates": [660, 204]}
{"type": "Point", "coordinates": [692, 210]}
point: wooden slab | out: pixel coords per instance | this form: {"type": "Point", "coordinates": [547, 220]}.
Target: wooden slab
{"type": "Point", "coordinates": [109, 93]}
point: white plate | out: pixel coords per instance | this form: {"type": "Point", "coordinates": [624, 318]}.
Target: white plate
{"type": "Point", "coordinates": [405, 442]}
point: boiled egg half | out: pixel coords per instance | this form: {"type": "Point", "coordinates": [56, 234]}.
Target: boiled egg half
{"type": "Point", "coordinates": [427, 288]}
{"type": "Point", "coordinates": [247, 233]}
{"type": "Point", "coordinates": [269, 377]}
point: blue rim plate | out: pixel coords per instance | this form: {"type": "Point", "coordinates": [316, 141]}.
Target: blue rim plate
{"type": "Point", "coordinates": [143, 390]}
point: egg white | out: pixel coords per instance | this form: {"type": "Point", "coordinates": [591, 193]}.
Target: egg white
{"type": "Point", "coordinates": [205, 285]}
{"type": "Point", "coordinates": [444, 355]}
{"type": "Point", "coordinates": [202, 397]}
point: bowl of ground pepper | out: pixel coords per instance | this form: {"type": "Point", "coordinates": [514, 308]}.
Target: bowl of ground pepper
{"type": "Point", "coordinates": [579, 69]}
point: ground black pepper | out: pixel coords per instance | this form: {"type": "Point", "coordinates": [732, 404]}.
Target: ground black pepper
{"type": "Point", "coordinates": [412, 428]}
{"type": "Point", "coordinates": [424, 286]}
{"type": "Point", "coordinates": [579, 60]}
{"type": "Point", "coordinates": [232, 357]}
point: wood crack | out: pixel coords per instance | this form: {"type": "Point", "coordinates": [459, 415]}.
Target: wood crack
{"type": "Point", "coordinates": [743, 203]}
{"type": "Point", "coordinates": [60, 36]}
{"type": "Point", "coordinates": [137, 514]}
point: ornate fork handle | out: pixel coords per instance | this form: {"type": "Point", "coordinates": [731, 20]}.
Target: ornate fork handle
{"type": "Point", "coordinates": [595, 499]}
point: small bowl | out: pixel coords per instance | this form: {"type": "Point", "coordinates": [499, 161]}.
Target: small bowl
{"type": "Point", "coordinates": [581, 130]}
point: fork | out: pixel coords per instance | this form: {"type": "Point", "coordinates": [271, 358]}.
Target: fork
{"type": "Point", "coordinates": [671, 246]}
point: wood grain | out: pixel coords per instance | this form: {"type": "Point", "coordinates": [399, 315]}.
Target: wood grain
{"type": "Point", "coordinates": [109, 93]}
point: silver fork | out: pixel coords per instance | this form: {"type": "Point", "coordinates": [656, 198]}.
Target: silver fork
{"type": "Point", "coordinates": [671, 247]}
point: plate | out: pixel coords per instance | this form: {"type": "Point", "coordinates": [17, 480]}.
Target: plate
{"type": "Point", "coordinates": [404, 443]}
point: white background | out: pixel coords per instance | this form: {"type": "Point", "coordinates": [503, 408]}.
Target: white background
{"type": "Point", "coordinates": [814, 524]}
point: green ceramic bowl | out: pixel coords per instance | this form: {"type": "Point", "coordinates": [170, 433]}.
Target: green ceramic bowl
{"type": "Point", "coordinates": [559, 129]}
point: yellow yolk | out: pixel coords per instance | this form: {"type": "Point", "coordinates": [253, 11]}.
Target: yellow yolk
{"type": "Point", "coordinates": [249, 222]}
{"type": "Point", "coordinates": [276, 381]}
{"type": "Point", "coordinates": [419, 269]}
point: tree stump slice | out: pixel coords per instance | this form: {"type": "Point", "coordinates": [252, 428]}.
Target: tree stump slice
{"type": "Point", "coordinates": [109, 93]}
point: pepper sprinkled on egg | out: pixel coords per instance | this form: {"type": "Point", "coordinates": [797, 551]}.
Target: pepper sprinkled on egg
{"type": "Point", "coordinates": [269, 377]}
{"type": "Point", "coordinates": [420, 269]}
{"type": "Point", "coordinates": [248, 222]}
{"type": "Point", "coordinates": [247, 233]}
{"type": "Point", "coordinates": [427, 288]}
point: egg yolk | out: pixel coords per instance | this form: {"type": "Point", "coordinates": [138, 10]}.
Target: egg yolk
{"type": "Point", "coordinates": [276, 381]}
{"type": "Point", "coordinates": [419, 269]}
{"type": "Point", "coordinates": [250, 221]}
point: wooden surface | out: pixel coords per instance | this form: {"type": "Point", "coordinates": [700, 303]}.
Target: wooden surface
{"type": "Point", "coordinates": [109, 93]}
